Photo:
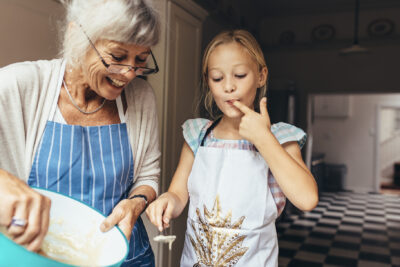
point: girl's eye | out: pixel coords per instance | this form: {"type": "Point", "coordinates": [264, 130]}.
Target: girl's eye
{"type": "Point", "coordinates": [216, 79]}
{"type": "Point", "coordinates": [117, 58]}
{"type": "Point", "coordinates": [241, 76]}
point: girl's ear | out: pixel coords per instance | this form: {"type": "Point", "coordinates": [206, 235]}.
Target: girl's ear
{"type": "Point", "coordinates": [263, 77]}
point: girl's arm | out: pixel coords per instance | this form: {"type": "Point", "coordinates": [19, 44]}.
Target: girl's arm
{"type": "Point", "coordinates": [171, 204]}
{"type": "Point", "coordinates": [285, 161]}
{"type": "Point", "coordinates": [290, 171]}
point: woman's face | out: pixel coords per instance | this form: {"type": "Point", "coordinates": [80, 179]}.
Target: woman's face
{"type": "Point", "coordinates": [99, 79]}
{"type": "Point", "coordinates": [232, 76]}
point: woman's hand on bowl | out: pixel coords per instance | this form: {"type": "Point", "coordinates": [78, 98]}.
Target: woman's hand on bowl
{"type": "Point", "coordinates": [23, 211]}
{"type": "Point", "coordinates": [125, 214]}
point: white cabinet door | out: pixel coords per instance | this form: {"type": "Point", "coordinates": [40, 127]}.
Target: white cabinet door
{"type": "Point", "coordinates": [183, 72]}
{"type": "Point", "coordinates": [176, 87]}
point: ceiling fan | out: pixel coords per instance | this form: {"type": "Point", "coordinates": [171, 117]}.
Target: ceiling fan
{"type": "Point", "coordinates": [355, 48]}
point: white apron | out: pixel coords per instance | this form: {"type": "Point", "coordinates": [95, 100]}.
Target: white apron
{"type": "Point", "coordinates": [231, 219]}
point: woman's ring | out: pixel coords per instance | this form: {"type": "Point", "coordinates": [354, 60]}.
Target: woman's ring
{"type": "Point", "coordinates": [18, 222]}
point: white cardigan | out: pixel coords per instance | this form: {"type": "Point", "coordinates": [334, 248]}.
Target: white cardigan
{"type": "Point", "coordinates": [27, 94]}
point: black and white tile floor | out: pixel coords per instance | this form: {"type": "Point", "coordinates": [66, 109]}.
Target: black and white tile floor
{"type": "Point", "coordinates": [345, 229]}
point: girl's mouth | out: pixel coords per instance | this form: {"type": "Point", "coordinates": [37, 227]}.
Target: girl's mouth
{"type": "Point", "coordinates": [231, 101]}
{"type": "Point", "coordinates": [115, 82]}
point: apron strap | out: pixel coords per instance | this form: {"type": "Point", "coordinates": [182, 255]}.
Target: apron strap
{"type": "Point", "coordinates": [209, 130]}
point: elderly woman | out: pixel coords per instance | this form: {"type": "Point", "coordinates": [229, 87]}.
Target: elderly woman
{"type": "Point", "coordinates": [84, 125]}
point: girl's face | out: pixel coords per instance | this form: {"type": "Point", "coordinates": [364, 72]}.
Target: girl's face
{"type": "Point", "coordinates": [233, 76]}
{"type": "Point", "coordinates": [99, 79]}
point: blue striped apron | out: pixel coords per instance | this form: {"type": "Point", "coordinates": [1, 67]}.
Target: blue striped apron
{"type": "Point", "coordinates": [93, 164]}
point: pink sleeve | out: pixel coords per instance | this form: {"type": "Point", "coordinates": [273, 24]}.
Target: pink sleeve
{"type": "Point", "coordinates": [277, 194]}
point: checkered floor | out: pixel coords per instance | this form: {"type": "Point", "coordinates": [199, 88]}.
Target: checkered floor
{"type": "Point", "coordinates": [345, 229]}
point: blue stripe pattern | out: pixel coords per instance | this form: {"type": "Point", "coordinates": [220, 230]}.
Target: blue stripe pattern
{"type": "Point", "coordinates": [93, 164]}
{"type": "Point", "coordinates": [85, 170]}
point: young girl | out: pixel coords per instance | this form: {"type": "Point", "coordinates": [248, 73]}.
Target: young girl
{"type": "Point", "coordinates": [236, 169]}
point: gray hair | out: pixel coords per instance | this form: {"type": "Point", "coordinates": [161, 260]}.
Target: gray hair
{"type": "Point", "coordinates": [126, 21]}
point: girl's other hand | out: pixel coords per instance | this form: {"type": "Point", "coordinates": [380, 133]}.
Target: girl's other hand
{"type": "Point", "coordinates": [253, 125]}
{"type": "Point", "coordinates": [161, 210]}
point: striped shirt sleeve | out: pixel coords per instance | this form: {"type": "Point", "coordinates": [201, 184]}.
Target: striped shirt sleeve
{"type": "Point", "coordinates": [193, 131]}
{"type": "Point", "coordinates": [286, 133]}
{"type": "Point", "coordinates": [277, 194]}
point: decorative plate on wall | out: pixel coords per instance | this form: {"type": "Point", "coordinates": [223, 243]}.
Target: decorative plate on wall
{"type": "Point", "coordinates": [380, 28]}
{"type": "Point", "coordinates": [323, 32]}
{"type": "Point", "coordinates": [287, 38]}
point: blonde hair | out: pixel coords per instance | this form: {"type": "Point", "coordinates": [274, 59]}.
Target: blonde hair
{"type": "Point", "coordinates": [249, 43]}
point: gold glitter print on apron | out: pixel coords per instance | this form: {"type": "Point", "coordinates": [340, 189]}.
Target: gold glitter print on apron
{"type": "Point", "coordinates": [234, 183]}
{"type": "Point", "coordinates": [215, 240]}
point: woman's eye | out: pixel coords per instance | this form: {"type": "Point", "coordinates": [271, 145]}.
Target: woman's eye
{"type": "Point", "coordinates": [241, 76]}
{"type": "Point", "coordinates": [117, 58]}
{"type": "Point", "coordinates": [216, 79]}
{"type": "Point", "coordinates": [141, 60]}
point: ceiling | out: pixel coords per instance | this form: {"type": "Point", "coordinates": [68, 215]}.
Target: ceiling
{"type": "Point", "coordinates": [254, 11]}
{"type": "Point", "coordinates": [249, 14]}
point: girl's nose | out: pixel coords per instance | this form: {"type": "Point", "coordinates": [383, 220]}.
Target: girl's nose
{"type": "Point", "coordinates": [230, 87]}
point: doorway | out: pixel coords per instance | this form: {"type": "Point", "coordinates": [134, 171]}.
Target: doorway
{"type": "Point", "coordinates": [387, 143]}
{"type": "Point", "coordinates": [346, 129]}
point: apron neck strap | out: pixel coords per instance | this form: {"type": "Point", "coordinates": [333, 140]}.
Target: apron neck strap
{"type": "Point", "coordinates": [209, 130]}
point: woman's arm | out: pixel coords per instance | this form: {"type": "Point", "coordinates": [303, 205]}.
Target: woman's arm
{"type": "Point", "coordinates": [20, 201]}
{"type": "Point", "coordinates": [127, 211]}
{"type": "Point", "coordinates": [142, 124]}
{"type": "Point", "coordinates": [171, 204]}
{"type": "Point", "coordinates": [285, 161]}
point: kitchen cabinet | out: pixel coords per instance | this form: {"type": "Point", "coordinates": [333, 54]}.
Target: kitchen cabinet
{"type": "Point", "coordinates": [176, 87]}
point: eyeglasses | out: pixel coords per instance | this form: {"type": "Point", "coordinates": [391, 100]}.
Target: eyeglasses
{"type": "Point", "coordinates": [122, 68]}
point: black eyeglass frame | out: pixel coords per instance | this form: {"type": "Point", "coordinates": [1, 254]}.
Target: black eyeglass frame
{"type": "Point", "coordinates": [146, 71]}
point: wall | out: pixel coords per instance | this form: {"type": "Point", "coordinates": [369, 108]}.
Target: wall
{"type": "Point", "coordinates": [388, 119]}
{"type": "Point", "coordinates": [28, 30]}
{"type": "Point", "coordinates": [342, 22]}
{"type": "Point", "coordinates": [351, 140]}
{"type": "Point", "coordinates": [317, 67]}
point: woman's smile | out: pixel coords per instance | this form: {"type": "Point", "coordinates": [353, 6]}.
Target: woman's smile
{"type": "Point", "coordinates": [115, 82]}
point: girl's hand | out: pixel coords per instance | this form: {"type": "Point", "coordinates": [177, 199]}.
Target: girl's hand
{"type": "Point", "coordinates": [22, 203]}
{"type": "Point", "coordinates": [253, 125]}
{"type": "Point", "coordinates": [161, 210]}
{"type": "Point", "coordinates": [124, 214]}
